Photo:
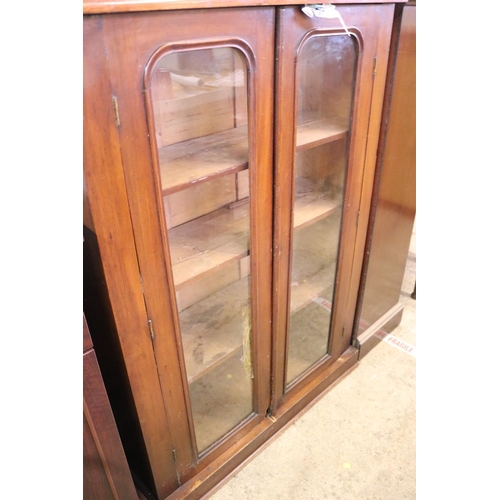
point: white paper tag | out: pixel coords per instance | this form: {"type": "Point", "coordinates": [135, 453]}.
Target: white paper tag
{"type": "Point", "coordinates": [324, 11]}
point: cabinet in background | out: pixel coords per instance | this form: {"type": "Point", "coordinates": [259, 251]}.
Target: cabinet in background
{"type": "Point", "coordinates": [106, 473]}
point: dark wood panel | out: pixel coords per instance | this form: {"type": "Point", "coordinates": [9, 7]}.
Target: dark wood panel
{"type": "Point", "coordinates": [99, 316]}
{"type": "Point", "coordinates": [394, 205]}
{"type": "Point", "coordinates": [95, 482]}
{"type": "Point", "coordinates": [380, 71]}
{"type": "Point", "coordinates": [105, 469]}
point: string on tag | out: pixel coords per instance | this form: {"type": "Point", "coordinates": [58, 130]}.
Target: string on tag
{"type": "Point", "coordinates": [325, 11]}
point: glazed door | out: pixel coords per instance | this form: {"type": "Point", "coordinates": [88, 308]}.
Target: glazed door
{"type": "Point", "coordinates": [325, 85]}
{"type": "Point", "coordinates": [193, 97]}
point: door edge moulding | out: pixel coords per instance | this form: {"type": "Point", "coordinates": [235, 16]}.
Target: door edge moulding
{"type": "Point", "coordinates": [130, 6]}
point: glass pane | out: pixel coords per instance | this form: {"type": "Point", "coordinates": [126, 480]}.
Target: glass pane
{"type": "Point", "coordinates": [200, 113]}
{"type": "Point", "coordinates": [325, 72]}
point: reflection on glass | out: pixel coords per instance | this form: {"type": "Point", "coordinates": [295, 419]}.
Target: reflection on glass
{"type": "Point", "coordinates": [325, 75]}
{"type": "Point", "coordinates": [200, 114]}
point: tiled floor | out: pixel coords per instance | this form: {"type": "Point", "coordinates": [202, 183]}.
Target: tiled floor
{"type": "Point", "coordinates": [358, 442]}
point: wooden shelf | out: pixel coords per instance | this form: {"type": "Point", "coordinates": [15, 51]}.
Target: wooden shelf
{"type": "Point", "coordinates": [304, 293]}
{"type": "Point", "coordinates": [204, 244]}
{"type": "Point", "coordinates": [197, 249]}
{"type": "Point", "coordinates": [310, 209]}
{"type": "Point", "coordinates": [308, 334]}
{"type": "Point", "coordinates": [314, 264]}
{"type": "Point", "coordinates": [203, 159]}
{"type": "Point", "coordinates": [208, 343]}
{"type": "Point", "coordinates": [229, 384]}
{"type": "Point", "coordinates": [317, 132]}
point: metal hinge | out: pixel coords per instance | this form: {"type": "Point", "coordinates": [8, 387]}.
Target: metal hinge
{"type": "Point", "coordinates": [151, 331]}
{"type": "Point", "coordinates": [375, 60]}
{"type": "Point", "coordinates": [115, 109]}
{"type": "Point", "coordinates": [175, 456]}
{"type": "Point", "coordinates": [343, 330]}
{"type": "Point", "coordinates": [357, 217]}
